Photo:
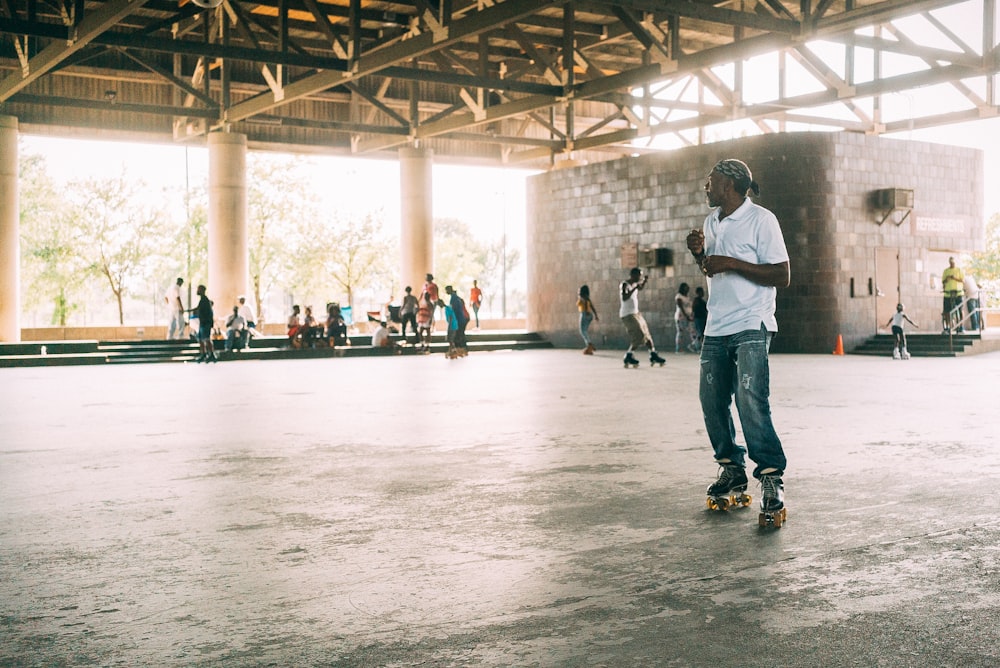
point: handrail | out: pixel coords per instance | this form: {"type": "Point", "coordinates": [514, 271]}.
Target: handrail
{"type": "Point", "coordinates": [953, 319]}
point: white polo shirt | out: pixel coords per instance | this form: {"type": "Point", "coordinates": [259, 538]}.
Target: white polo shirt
{"type": "Point", "coordinates": [735, 304]}
{"type": "Point", "coordinates": [628, 306]}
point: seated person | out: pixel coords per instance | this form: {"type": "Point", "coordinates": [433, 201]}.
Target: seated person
{"type": "Point", "coordinates": [336, 329]}
{"type": "Point", "coordinates": [294, 324]}
{"type": "Point", "coordinates": [236, 329]}
{"type": "Point", "coordinates": [310, 328]}
{"type": "Point", "coordinates": [248, 313]}
{"type": "Point", "coordinates": [380, 338]}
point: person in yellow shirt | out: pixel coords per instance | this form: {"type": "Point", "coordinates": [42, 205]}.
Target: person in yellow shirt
{"type": "Point", "coordinates": [952, 282]}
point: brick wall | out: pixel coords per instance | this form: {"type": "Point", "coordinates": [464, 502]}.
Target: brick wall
{"type": "Point", "coordinates": [820, 186]}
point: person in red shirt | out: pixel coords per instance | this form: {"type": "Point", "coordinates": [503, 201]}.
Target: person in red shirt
{"type": "Point", "coordinates": [430, 294]}
{"type": "Point", "coordinates": [476, 299]}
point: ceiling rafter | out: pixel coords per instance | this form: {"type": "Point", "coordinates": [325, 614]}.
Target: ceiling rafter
{"type": "Point", "coordinates": [508, 80]}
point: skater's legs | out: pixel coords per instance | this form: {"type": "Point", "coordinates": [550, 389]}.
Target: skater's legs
{"type": "Point", "coordinates": [585, 320]}
{"type": "Point", "coordinates": [637, 331]}
{"type": "Point", "coordinates": [647, 338]}
{"type": "Point", "coordinates": [685, 330]}
{"type": "Point", "coordinates": [753, 400]}
{"type": "Point", "coordinates": [715, 391]}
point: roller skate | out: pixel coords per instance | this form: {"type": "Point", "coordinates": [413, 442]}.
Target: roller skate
{"type": "Point", "coordinates": [905, 354]}
{"type": "Point", "coordinates": [656, 359]}
{"type": "Point", "coordinates": [630, 360]}
{"type": "Point", "coordinates": [729, 491]}
{"type": "Point", "coordinates": [896, 355]}
{"type": "Point", "coordinates": [772, 501]}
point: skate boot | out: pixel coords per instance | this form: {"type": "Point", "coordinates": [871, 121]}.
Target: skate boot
{"type": "Point", "coordinates": [730, 489]}
{"type": "Point", "coordinates": [772, 501]}
{"type": "Point", "coordinates": [905, 354]}
{"type": "Point", "coordinates": [630, 360]}
{"type": "Point", "coordinates": [896, 355]}
{"type": "Point", "coordinates": [656, 359]}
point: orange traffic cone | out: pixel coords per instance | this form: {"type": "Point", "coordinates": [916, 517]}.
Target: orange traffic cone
{"type": "Point", "coordinates": [839, 350]}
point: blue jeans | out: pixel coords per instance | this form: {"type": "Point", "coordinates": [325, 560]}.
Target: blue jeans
{"type": "Point", "coordinates": [585, 319]}
{"type": "Point", "coordinates": [737, 365]}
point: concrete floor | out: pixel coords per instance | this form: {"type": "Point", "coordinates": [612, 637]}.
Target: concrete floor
{"type": "Point", "coordinates": [535, 508]}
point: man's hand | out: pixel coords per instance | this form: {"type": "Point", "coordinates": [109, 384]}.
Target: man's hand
{"type": "Point", "coordinates": [696, 242]}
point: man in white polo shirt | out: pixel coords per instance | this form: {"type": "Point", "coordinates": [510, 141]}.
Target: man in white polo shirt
{"type": "Point", "coordinates": [742, 252]}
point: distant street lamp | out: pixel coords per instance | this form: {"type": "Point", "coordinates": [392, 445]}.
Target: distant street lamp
{"type": "Point", "coordinates": [503, 275]}
{"type": "Point", "coordinates": [187, 213]}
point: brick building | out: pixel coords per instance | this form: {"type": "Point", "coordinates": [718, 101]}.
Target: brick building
{"type": "Point", "coordinates": [853, 253]}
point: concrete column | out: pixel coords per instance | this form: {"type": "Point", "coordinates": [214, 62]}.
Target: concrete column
{"type": "Point", "coordinates": [228, 251]}
{"type": "Point", "coordinates": [10, 247]}
{"type": "Point", "coordinates": [416, 238]}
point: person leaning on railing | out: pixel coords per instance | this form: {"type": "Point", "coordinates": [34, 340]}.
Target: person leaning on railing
{"type": "Point", "coordinates": [972, 301]}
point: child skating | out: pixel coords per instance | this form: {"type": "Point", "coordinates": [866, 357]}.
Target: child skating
{"type": "Point", "coordinates": [899, 351]}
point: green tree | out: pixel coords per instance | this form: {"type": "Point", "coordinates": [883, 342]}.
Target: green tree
{"type": "Point", "coordinates": [985, 266]}
{"type": "Point", "coordinates": [458, 256]}
{"type": "Point", "coordinates": [186, 251]}
{"type": "Point", "coordinates": [50, 269]}
{"type": "Point", "coordinates": [501, 261]}
{"type": "Point", "coordinates": [355, 255]}
{"type": "Point", "coordinates": [278, 204]}
{"type": "Point", "coordinates": [118, 234]}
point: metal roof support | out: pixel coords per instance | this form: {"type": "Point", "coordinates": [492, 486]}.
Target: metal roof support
{"type": "Point", "coordinates": [51, 56]}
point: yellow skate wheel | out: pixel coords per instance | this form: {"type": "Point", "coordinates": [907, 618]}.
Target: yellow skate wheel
{"type": "Point", "coordinates": [717, 503]}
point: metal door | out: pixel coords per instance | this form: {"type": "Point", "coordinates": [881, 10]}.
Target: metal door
{"type": "Point", "coordinates": [886, 285]}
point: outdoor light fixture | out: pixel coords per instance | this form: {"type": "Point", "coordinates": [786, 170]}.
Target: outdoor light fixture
{"type": "Point", "coordinates": [894, 200]}
{"type": "Point", "coordinates": [207, 4]}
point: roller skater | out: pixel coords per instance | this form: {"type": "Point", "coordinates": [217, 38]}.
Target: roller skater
{"type": "Point", "coordinates": [730, 489]}
{"type": "Point", "coordinates": [772, 501]}
{"type": "Point", "coordinates": [742, 251]}
{"type": "Point", "coordinates": [898, 321]}
{"type": "Point", "coordinates": [588, 314]}
{"type": "Point", "coordinates": [635, 324]}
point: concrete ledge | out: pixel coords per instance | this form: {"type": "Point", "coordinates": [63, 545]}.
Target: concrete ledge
{"type": "Point", "coordinates": [159, 332]}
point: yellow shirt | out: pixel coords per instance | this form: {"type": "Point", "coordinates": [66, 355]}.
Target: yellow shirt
{"type": "Point", "coordinates": [952, 279]}
{"type": "Point", "coordinates": [584, 305]}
